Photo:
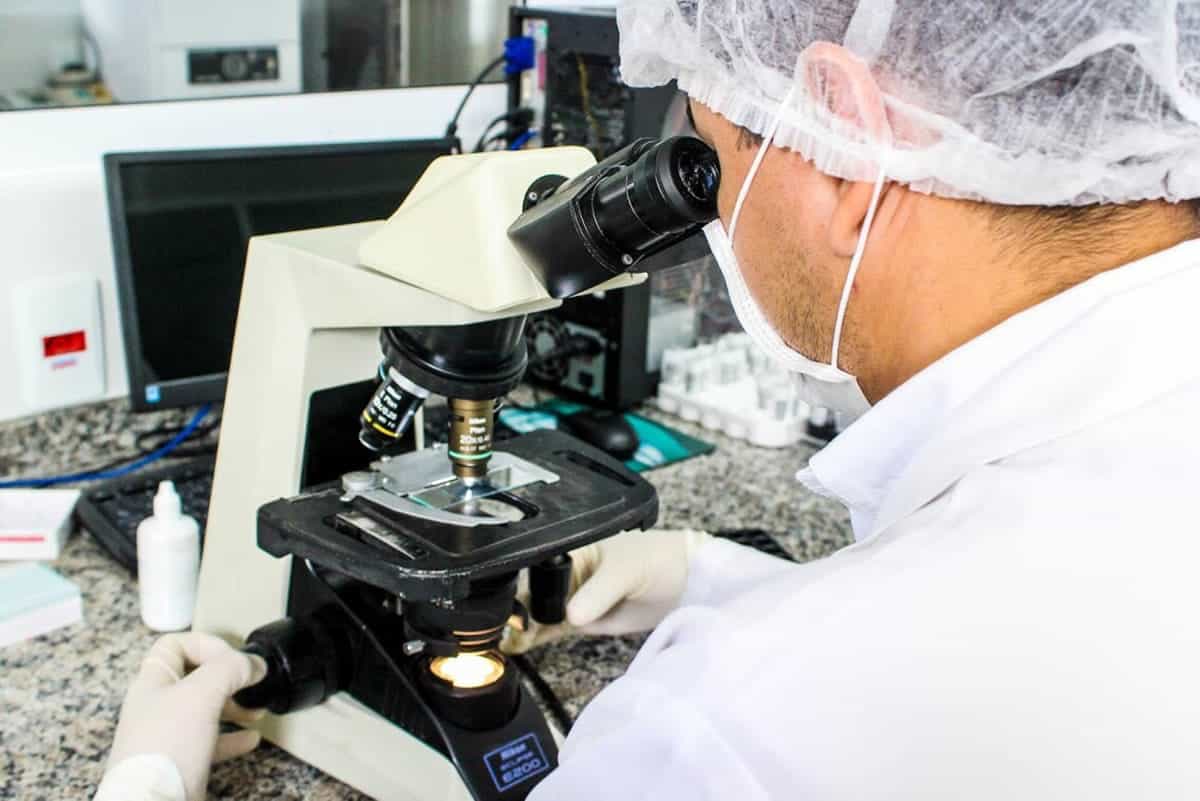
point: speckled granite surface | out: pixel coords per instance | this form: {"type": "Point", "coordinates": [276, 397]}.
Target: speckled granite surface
{"type": "Point", "coordinates": [60, 694]}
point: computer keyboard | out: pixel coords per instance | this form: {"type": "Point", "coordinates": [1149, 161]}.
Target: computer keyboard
{"type": "Point", "coordinates": [112, 511]}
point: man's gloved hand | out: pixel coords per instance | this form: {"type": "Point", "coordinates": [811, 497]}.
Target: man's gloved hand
{"type": "Point", "coordinates": [622, 585]}
{"type": "Point", "coordinates": [175, 706]}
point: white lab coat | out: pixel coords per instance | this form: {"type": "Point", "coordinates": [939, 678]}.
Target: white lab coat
{"type": "Point", "coordinates": [1019, 619]}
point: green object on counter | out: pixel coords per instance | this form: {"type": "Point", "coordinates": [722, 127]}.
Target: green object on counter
{"type": "Point", "coordinates": [658, 445]}
{"type": "Point", "coordinates": [35, 600]}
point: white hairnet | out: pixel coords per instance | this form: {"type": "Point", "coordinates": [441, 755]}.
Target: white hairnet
{"type": "Point", "coordinates": [1040, 102]}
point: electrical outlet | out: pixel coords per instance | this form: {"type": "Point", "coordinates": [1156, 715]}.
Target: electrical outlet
{"type": "Point", "coordinates": [59, 339]}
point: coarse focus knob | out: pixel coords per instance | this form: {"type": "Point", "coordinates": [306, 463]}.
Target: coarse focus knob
{"type": "Point", "coordinates": [305, 665]}
{"type": "Point", "coordinates": [549, 585]}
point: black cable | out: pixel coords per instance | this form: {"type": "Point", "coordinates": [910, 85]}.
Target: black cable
{"type": "Point", "coordinates": [132, 466]}
{"type": "Point", "coordinates": [183, 451]}
{"type": "Point", "coordinates": [452, 128]}
{"type": "Point", "coordinates": [90, 38]}
{"type": "Point", "coordinates": [483, 137]}
{"type": "Point", "coordinates": [518, 117]}
{"type": "Point", "coordinates": [166, 432]}
{"type": "Point", "coordinates": [549, 698]}
{"type": "Point", "coordinates": [493, 140]}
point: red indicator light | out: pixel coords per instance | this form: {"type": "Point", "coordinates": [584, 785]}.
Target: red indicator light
{"type": "Point", "coordinates": [59, 344]}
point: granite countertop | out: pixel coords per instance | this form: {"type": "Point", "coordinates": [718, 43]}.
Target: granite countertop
{"type": "Point", "coordinates": [60, 693]}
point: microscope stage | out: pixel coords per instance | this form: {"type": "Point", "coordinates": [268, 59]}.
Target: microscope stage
{"type": "Point", "coordinates": [434, 557]}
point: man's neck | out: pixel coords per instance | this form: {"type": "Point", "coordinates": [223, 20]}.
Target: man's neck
{"type": "Point", "coordinates": [972, 282]}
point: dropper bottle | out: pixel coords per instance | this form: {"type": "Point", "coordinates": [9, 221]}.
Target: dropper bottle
{"type": "Point", "coordinates": [168, 549]}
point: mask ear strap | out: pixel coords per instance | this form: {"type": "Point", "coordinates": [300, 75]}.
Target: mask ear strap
{"type": "Point", "coordinates": [768, 139]}
{"type": "Point", "coordinates": [856, 262]}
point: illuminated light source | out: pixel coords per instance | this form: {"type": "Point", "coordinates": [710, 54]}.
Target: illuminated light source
{"type": "Point", "coordinates": [468, 671]}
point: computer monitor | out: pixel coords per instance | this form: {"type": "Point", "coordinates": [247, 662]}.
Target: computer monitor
{"type": "Point", "coordinates": [181, 221]}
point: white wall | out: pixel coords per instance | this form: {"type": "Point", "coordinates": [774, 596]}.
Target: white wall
{"type": "Point", "coordinates": [53, 211]}
{"type": "Point", "coordinates": [36, 38]}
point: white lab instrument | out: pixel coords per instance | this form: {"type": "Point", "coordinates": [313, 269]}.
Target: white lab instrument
{"type": "Point", "coordinates": [309, 321]}
{"type": "Point", "coordinates": [180, 49]}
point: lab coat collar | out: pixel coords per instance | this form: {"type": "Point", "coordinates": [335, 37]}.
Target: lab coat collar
{"type": "Point", "coordinates": [1087, 354]}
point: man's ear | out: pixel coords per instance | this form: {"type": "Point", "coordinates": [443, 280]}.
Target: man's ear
{"type": "Point", "coordinates": [849, 216]}
{"type": "Point", "coordinates": [844, 88]}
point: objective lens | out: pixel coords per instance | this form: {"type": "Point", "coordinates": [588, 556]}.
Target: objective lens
{"type": "Point", "coordinates": [468, 671]}
{"type": "Point", "coordinates": [471, 425]}
{"type": "Point", "coordinates": [390, 412]}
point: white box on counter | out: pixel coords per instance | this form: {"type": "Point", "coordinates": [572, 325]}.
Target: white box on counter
{"type": "Point", "coordinates": [35, 523]}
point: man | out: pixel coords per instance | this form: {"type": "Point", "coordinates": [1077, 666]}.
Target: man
{"type": "Point", "coordinates": [970, 223]}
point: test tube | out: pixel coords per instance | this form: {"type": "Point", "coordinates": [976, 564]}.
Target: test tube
{"type": "Point", "coordinates": [675, 366]}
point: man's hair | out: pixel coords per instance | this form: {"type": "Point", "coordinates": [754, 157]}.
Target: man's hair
{"type": "Point", "coordinates": [1072, 229]}
{"type": "Point", "coordinates": [1078, 231]}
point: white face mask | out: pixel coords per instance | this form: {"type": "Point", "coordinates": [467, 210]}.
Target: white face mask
{"type": "Point", "coordinates": [822, 384]}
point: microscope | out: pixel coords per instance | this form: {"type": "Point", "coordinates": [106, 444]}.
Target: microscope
{"type": "Point", "coordinates": [376, 576]}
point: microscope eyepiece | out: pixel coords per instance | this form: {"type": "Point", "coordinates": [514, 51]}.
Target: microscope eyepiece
{"type": "Point", "coordinates": [628, 207]}
{"type": "Point", "coordinates": [698, 171]}
{"type": "Point", "coordinates": [666, 193]}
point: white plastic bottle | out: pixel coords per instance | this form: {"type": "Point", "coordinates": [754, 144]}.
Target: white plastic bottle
{"type": "Point", "coordinates": [168, 548]}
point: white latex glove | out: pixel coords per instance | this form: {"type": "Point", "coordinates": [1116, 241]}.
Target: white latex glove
{"type": "Point", "coordinates": [175, 706]}
{"type": "Point", "coordinates": [622, 585]}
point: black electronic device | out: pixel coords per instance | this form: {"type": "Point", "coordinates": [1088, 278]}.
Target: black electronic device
{"type": "Point", "coordinates": [181, 221]}
{"type": "Point", "coordinates": [607, 430]}
{"type": "Point", "coordinates": [603, 349]}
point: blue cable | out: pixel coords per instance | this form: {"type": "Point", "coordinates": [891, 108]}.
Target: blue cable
{"type": "Point", "coordinates": [521, 140]}
{"type": "Point", "coordinates": [154, 456]}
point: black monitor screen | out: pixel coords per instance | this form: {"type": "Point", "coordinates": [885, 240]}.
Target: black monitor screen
{"type": "Point", "coordinates": [181, 222]}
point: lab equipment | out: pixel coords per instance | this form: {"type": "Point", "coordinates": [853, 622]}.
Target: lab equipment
{"type": "Point", "coordinates": [35, 524]}
{"type": "Point", "coordinates": [731, 386]}
{"type": "Point", "coordinates": [382, 628]}
{"type": "Point", "coordinates": [35, 600]}
{"type": "Point", "coordinates": [181, 49]}
{"type": "Point", "coordinates": [168, 556]}
{"type": "Point", "coordinates": [181, 221]}
{"type": "Point", "coordinates": [1011, 102]}
{"type": "Point", "coordinates": [601, 350]}
{"type": "Point", "coordinates": [112, 511]}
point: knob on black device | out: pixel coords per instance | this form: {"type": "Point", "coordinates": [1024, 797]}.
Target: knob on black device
{"type": "Point", "coordinates": [549, 586]}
